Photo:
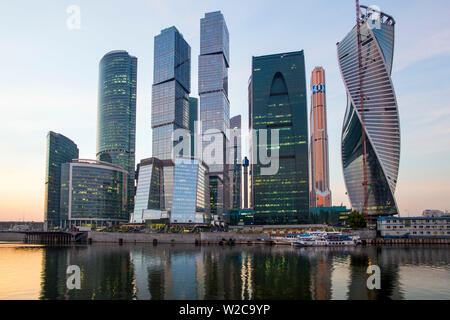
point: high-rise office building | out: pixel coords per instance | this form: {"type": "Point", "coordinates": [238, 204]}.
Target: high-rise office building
{"type": "Point", "coordinates": [93, 193]}
{"type": "Point", "coordinates": [170, 100]}
{"type": "Point", "coordinates": [278, 102]}
{"type": "Point", "coordinates": [234, 160]}
{"type": "Point", "coordinates": [213, 64]}
{"type": "Point", "coordinates": [60, 150]}
{"type": "Point", "coordinates": [116, 129]}
{"type": "Point", "coordinates": [371, 121]}
{"type": "Point", "coordinates": [245, 188]}
{"type": "Point", "coordinates": [170, 91]}
{"type": "Point", "coordinates": [193, 119]}
{"type": "Point", "coordinates": [320, 177]}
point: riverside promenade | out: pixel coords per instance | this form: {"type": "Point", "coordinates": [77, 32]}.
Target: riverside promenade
{"type": "Point", "coordinates": [193, 238]}
{"type": "Point", "coordinates": [196, 238]}
{"type": "Point", "coordinates": [144, 237]}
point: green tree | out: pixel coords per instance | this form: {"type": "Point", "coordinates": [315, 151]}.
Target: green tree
{"type": "Point", "coordinates": [357, 220]}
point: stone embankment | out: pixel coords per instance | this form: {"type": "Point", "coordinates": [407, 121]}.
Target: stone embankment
{"type": "Point", "coordinates": [193, 238]}
{"type": "Point", "coordinates": [11, 236]}
{"type": "Point", "coordinates": [390, 241]}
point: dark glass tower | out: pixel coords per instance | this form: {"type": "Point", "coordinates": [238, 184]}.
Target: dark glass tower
{"type": "Point", "coordinates": [235, 167]}
{"type": "Point", "coordinates": [376, 114]}
{"type": "Point", "coordinates": [193, 117]}
{"type": "Point", "coordinates": [60, 150]}
{"type": "Point", "coordinates": [213, 64]}
{"type": "Point", "coordinates": [278, 101]}
{"type": "Point", "coordinates": [116, 135]}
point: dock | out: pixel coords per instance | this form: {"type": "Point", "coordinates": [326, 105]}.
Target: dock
{"type": "Point", "coordinates": [57, 237]}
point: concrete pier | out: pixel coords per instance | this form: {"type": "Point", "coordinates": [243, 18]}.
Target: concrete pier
{"type": "Point", "coordinates": [55, 238]}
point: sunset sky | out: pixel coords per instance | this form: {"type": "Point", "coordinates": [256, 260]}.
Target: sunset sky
{"type": "Point", "coordinates": [49, 80]}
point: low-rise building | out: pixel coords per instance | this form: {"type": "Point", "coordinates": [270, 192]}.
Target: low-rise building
{"type": "Point", "coordinates": [93, 193]}
{"type": "Point", "coordinates": [190, 192]}
{"type": "Point", "coordinates": [434, 213]}
{"type": "Point", "coordinates": [334, 216]}
{"type": "Point", "coordinates": [413, 227]}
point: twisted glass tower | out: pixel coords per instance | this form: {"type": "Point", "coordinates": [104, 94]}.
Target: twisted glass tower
{"type": "Point", "coordinates": [371, 116]}
{"type": "Point", "coordinates": [116, 135]}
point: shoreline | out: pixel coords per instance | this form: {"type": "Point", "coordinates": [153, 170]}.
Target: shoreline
{"type": "Point", "coordinates": [220, 238]}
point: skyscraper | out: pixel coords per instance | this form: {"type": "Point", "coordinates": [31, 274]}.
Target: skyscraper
{"type": "Point", "coordinates": [170, 91]}
{"type": "Point", "coordinates": [213, 64]}
{"type": "Point", "coordinates": [235, 166]}
{"type": "Point", "coordinates": [193, 118]}
{"type": "Point", "coordinates": [170, 100]}
{"type": "Point", "coordinates": [371, 121]}
{"type": "Point", "coordinates": [320, 177]}
{"type": "Point", "coordinates": [60, 150]}
{"type": "Point", "coordinates": [278, 102]}
{"type": "Point", "coordinates": [245, 192]}
{"type": "Point", "coordinates": [116, 135]}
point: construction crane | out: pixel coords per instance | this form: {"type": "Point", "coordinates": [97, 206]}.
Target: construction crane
{"type": "Point", "coordinates": [365, 183]}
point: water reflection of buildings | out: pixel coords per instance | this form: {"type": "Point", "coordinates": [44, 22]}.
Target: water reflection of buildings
{"type": "Point", "coordinates": [105, 273]}
{"type": "Point", "coordinates": [246, 277]}
{"type": "Point", "coordinates": [390, 285]}
{"type": "Point", "coordinates": [321, 271]}
{"type": "Point", "coordinates": [166, 272]}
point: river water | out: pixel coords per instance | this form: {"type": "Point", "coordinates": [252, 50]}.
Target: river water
{"type": "Point", "coordinates": [144, 271]}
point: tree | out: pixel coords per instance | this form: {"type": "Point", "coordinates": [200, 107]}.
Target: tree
{"type": "Point", "coordinates": [357, 220]}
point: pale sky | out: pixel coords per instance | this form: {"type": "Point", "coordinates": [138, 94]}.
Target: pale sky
{"type": "Point", "coordinates": [49, 80]}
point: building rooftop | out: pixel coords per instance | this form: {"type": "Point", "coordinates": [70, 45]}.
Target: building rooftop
{"type": "Point", "coordinates": [413, 218]}
{"type": "Point", "coordinates": [279, 55]}
{"type": "Point", "coordinates": [97, 163]}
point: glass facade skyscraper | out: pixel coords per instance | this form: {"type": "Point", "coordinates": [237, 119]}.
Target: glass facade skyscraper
{"type": "Point", "coordinates": [235, 167]}
{"type": "Point", "coordinates": [170, 100]}
{"type": "Point", "coordinates": [377, 116]}
{"type": "Point", "coordinates": [170, 91]}
{"type": "Point", "coordinates": [320, 176]}
{"type": "Point", "coordinates": [191, 192]}
{"type": "Point", "coordinates": [116, 135]}
{"type": "Point", "coordinates": [193, 119]}
{"type": "Point", "coordinates": [93, 193]}
{"type": "Point", "coordinates": [278, 101]}
{"type": "Point", "coordinates": [213, 64]}
{"type": "Point", "coordinates": [60, 150]}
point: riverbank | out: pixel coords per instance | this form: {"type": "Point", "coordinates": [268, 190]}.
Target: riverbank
{"type": "Point", "coordinates": [389, 241]}
{"type": "Point", "coordinates": [11, 236]}
{"type": "Point", "coordinates": [213, 238]}
{"type": "Point", "coordinates": [192, 238]}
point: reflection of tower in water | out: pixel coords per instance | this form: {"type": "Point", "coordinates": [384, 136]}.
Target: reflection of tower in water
{"type": "Point", "coordinates": [246, 276]}
{"type": "Point", "coordinates": [321, 271]}
{"type": "Point", "coordinates": [390, 279]}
